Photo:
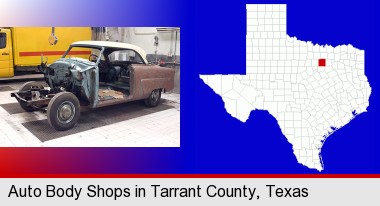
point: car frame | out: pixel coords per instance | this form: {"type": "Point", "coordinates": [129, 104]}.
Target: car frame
{"type": "Point", "coordinates": [77, 82]}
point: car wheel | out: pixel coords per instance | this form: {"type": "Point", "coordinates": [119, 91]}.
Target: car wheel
{"type": "Point", "coordinates": [63, 111]}
{"type": "Point", "coordinates": [154, 98]}
{"type": "Point", "coordinates": [25, 87]}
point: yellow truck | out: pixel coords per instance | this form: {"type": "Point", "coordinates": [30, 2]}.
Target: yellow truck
{"type": "Point", "coordinates": [21, 48]}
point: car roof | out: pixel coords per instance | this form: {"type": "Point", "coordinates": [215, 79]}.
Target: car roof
{"type": "Point", "coordinates": [116, 45]}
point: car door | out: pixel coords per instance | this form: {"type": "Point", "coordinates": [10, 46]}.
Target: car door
{"type": "Point", "coordinates": [6, 64]}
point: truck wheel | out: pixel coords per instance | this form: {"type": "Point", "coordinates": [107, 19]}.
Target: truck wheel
{"type": "Point", "coordinates": [154, 98]}
{"type": "Point", "coordinates": [63, 111]}
{"type": "Point", "coordinates": [25, 87]}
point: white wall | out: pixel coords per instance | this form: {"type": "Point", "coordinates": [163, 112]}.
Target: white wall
{"type": "Point", "coordinates": [144, 38]}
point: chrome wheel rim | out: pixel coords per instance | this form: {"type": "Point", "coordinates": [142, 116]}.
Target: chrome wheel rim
{"type": "Point", "coordinates": [155, 95]}
{"type": "Point", "coordinates": [66, 112]}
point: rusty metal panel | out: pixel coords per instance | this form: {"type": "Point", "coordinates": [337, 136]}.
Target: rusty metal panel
{"type": "Point", "coordinates": [147, 78]}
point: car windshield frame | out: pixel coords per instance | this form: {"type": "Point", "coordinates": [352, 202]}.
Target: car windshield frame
{"type": "Point", "coordinates": [101, 50]}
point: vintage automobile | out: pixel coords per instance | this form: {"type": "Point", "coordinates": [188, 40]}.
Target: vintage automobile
{"type": "Point", "coordinates": [114, 73]}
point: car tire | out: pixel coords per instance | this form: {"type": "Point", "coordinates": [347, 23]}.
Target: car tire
{"type": "Point", "coordinates": [154, 98]}
{"type": "Point", "coordinates": [25, 87]}
{"type": "Point", "coordinates": [63, 111]}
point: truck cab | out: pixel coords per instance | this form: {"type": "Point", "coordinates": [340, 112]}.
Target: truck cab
{"type": "Point", "coordinates": [21, 48]}
{"type": "Point", "coordinates": [6, 54]}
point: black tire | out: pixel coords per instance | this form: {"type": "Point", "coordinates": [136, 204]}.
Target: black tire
{"type": "Point", "coordinates": [63, 111]}
{"type": "Point", "coordinates": [25, 87]}
{"type": "Point", "coordinates": [154, 98]}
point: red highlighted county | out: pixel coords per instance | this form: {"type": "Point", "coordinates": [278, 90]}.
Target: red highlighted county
{"type": "Point", "coordinates": [282, 77]}
{"type": "Point", "coordinates": [322, 62]}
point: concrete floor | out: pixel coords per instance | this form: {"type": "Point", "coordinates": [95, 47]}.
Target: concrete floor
{"type": "Point", "coordinates": [153, 129]}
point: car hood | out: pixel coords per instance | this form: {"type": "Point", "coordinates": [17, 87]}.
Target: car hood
{"type": "Point", "coordinates": [78, 64]}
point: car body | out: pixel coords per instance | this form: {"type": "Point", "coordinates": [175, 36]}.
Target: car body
{"type": "Point", "coordinates": [99, 81]}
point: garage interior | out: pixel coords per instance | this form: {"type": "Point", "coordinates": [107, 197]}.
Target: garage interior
{"type": "Point", "coordinates": [124, 125]}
